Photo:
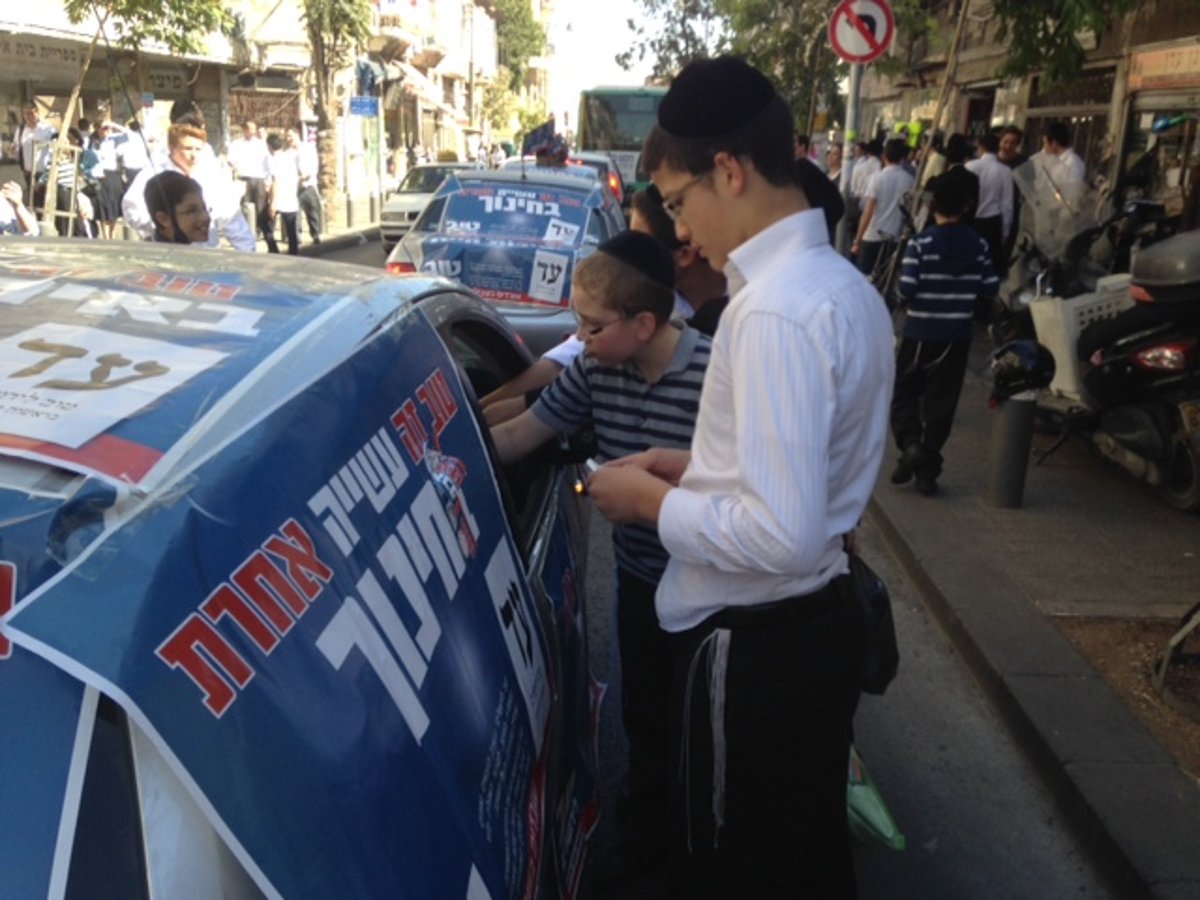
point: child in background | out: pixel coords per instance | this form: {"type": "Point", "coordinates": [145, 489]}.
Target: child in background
{"type": "Point", "coordinates": [947, 272]}
{"type": "Point", "coordinates": [639, 382]}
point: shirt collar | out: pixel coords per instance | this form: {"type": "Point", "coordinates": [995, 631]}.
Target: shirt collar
{"type": "Point", "coordinates": [799, 232]}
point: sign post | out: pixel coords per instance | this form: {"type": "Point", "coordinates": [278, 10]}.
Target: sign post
{"type": "Point", "coordinates": [860, 31]}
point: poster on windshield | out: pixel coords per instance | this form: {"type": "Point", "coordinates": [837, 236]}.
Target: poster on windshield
{"type": "Point", "coordinates": [326, 630]}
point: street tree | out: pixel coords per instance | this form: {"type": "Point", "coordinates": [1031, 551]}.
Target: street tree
{"type": "Point", "coordinates": [336, 30]}
{"type": "Point", "coordinates": [1048, 40]}
{"type": "Point", "coordinates": [519, 38]}
{"type": "Point", "coordinates": [499, 101]}
{"type": "Point", "coordinates": [180, 25]}
{"type": "Point", "coordinates": [673, 33]}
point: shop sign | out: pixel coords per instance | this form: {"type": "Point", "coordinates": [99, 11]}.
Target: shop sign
{"type": "Point", "coordinates": [25, 57]}
{"type": "Point", "coordinates": [166, 81]}
{"type": "Point", "coordinates": [1173, 67]}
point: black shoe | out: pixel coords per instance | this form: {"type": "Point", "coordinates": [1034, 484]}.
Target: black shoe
{"type": "Point", "coordinates": [910, 460]}
{"type": "Point", "coordinates": [927, 484]}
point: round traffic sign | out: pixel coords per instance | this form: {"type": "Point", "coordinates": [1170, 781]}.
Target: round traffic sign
{"type": "Point", "coordinates": [861, 30]}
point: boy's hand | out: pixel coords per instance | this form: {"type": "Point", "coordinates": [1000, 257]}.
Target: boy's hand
{"type": "Point", "coordinates": [11, 191]}
{"type": "Point", "coordinates": [668, 465]}
{"type": "Point", "coordinates": [627, 493]}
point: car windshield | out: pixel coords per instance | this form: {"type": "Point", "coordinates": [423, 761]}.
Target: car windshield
{"type": "Point", "coordinates": [517, 211]}
{"type": "Point", "coordinates": [424, 180]}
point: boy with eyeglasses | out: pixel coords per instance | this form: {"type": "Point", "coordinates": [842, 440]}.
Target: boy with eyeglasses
{"type": "Point", "coordinates": [638, 380]}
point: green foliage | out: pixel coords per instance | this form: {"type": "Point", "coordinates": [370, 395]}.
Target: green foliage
{"type": "Point", "coordinates": [336, 29]}
{"type": "Point", "coordinates": [181, 25]}
{"type": "Point", "coordinates": [673, 33]}
{"type": "Point", "coordinates": [499, 102]}
{"type": "Point", "coordinates": [519, 37]}
{"type": "Point", "coordinates": [1042, 36]}
{"type": "Point", "coordinates": [530, 117]}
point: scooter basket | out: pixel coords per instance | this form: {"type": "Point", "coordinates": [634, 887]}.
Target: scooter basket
{"type": "Point", "coordinates": [1058, 323]}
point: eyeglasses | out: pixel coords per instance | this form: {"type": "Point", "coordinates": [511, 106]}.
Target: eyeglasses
{"type": "Point", "coordinates": [593, 330]}
{"type": "Point", "coordinates": [673, 207]}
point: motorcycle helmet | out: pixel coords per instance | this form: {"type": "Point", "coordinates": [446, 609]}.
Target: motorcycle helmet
{"type": "Point", "coordinates": [1020, 366]}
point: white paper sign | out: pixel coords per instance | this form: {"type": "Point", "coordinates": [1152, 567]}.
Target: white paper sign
{"type": "Point", "coordinates": [558, 230]}
{"type": "Point", "coordinates": [67, 383]}
{"type": "Point", "coordinates": [549, 276]}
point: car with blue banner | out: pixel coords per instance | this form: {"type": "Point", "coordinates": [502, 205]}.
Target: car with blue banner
{"type": "Point", "coordinates": [273, 622]}
{"type": "Point", "coordinates": [513, 237]}
{"type": "Point", "coordinates": [402, 207]}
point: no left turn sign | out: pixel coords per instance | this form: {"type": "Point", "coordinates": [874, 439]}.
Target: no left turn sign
{"type": "Point", "coordinates": [861, 30]}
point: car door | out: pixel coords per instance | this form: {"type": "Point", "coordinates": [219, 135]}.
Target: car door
{"type": "Point", "coordinates": [550, 523]}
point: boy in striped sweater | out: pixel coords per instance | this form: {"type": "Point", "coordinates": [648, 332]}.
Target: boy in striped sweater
{"type": "Point", "coordinates": [947, 272]}
{"type": "Point", "coordinates": [638, 380]}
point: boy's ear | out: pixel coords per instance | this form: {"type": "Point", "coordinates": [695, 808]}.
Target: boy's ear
{"type": "Point", "coordinates": [645, 325]}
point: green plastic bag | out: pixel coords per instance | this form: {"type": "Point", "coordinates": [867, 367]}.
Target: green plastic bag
{"type": "Point", "coordinates": [870, 820]}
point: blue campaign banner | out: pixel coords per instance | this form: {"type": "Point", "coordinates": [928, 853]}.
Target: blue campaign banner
{"type": "Point", "coordinates": [326, 629]}
{"type": "Point", "coordinates": [40, 711]}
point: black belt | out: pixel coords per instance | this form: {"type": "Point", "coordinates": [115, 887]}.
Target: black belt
{"type": "Point", "coordinates": [248, 178]}
{"type": "Point", "coordinates": [801, 608]}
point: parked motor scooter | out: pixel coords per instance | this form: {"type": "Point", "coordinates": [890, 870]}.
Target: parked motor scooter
{"type": "Point", "coordinates": [1126, 346]}
{"type": "Point", "coordinates": [1127, 367]}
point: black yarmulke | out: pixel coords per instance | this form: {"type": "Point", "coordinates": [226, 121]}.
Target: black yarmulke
{"type": "Point", "coordinates": [647, 254]}
{"type": "Point", "coordinates": [714, 97]}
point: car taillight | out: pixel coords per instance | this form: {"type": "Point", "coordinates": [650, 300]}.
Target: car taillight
{"type": "Point", "coordinates": [614, 182]}
{"type": "Point", "coordinates": [1140, 294]}
{"type": "Point", "coordinates": [1176, 356]}
{"type": "Point", "coordinates": [401, 268]}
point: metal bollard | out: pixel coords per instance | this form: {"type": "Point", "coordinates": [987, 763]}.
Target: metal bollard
{"type": "Point", "coordinates": [1008, 458]}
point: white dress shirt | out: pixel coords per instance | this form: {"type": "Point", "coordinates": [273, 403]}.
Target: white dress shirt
{"type": "Point", "coordinates": [887, 188]}
{"type": "Point", "coordinates": [27, 141]}
{"type": "Point", "coordinates": [222, 196]}
{"type": "Point", "coordinates": [791, 429]}
{"type": "Point", "coordinates": [995, 189]}
{"type": "Point", "coordinates": [860, 175]}
{"type": "Point", "coordinates": [248, 158]}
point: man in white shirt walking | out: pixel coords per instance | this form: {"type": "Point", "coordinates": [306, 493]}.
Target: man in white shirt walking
{"type": "Point", "coordinates": [994, 212]}
{"type": "Point", "coordinates": [1058, 162]}
{"type": "Point", "coordinates": [788, 443]}
{"type": "Point", "coordinates": [248, 156]}
{"type": "Point", "coordinates": [310, 196]}
{"type": "Point", "coordinates": [882, 219]}
{"type": "Point", "coordinates": [31, 133]}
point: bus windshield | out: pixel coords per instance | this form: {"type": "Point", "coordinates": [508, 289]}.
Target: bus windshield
{"type": "Point", "coordinates": [617, 118]}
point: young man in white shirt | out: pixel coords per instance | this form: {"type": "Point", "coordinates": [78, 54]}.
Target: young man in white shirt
{"type": "Point", "coordinates": [788, 444]}
{"type": "Point", "coordinates": [310, 196]}
{"type": "Point", "coordinates": [994, 212]}
{"type": "Point", "coordinates": [1057, 160]}
{"type": "Point", "coordinates": [882, 220]}
{"type": "Point", "coordinates": [25, 146]}
{"type": "Point", "coordinates": [248, 156]}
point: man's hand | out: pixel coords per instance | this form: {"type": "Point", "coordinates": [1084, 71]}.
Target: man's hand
{"type": "Point", "coordinates": [503, 410]}
{"type": "Point", "coordinates": [627, 493]}
{"type": "Point", "coordinates": [668, 465]}
{"type": "Point", "coordinates": [11, 191]}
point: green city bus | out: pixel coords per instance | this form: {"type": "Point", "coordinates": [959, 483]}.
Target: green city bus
{"type": "Point", "coordinates": [616, 120]}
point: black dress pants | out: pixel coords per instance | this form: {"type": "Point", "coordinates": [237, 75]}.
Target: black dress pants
{"type": "Point", "coordinates": [929, 379]}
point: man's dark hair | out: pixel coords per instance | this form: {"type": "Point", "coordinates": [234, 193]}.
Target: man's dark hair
{"type": "Point", "coordinates": [958, 149]}
{"type": "Point", "coordinates": [1013, 129]}
{"type": "Point", "coordinates": [802, 140]}
{"type": "Point", "coordinates": [896, 150]}
{"type": "Point", "coordinates": [875, 147]}
{"type": "Point", "coordinates": [184, 107]}
{"type": "Point", "coordinates": [766, 142]}
{"type": "Point", "coordinates": [949, 195]}
{"type": "Point", "coordinates": [1059, 133]}
{"type": "Point", "coordinates": [822, 193]}
{"type": "Point", "coordinates": [649, 206]}
{"type": "Point", "coordinates": [164, 192]}
{"type": "Point", "coordinates": [989, 142]}
{"type": "Point", "coordinates": [274, 141]}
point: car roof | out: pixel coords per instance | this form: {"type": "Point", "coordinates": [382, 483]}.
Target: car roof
{"type": "Point", "coordinates": [247, 328]}
{"type": "Point", "coordinates": [539, 175]}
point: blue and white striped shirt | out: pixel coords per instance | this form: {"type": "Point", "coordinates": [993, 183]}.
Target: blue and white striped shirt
{"type": "Point", "coordinates": [631, 415]}
{"type": "Point", "coordinates": [946, 269]}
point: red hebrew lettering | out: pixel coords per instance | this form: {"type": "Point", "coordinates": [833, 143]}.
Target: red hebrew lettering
{"type": "Point", "coordinates": [304, 567]}
{"type": "Point", "coordinates": [435, 394]}
{"type": "Point", "coordinates": [441, 387]}
{"type": "Point", "coordinates": [182, 650]}
{"type": "Point", "coordinates": [265, 586]}
{"type": "Point", "coordinates": [226, 601]}
{"type": "Point", "coordinates": [212, 290]}
{"type": "Point", "coordinates": [8, 596]}
{"type": "Point", "coordinates": [412, 432]}
{"type": "Point", "coordinates": [177, 285]}
{"type": "Point", "coordinates": [150, 280]}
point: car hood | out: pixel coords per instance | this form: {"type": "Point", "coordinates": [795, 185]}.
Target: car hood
{"type": "Point", "coordinates": [406, 202]}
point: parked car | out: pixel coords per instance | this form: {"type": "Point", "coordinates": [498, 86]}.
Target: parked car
{"type": "Point", "coordinates": [604, 164]}
{"type": "Point", "coordinates": [277, 623]}
{"type": "Point", "coordinates": [402, 207]}
{"type": "Point", "coordinates": [514, 238]}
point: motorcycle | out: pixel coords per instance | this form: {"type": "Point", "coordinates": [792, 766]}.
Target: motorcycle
{"type": "Point", "coordinates": [1126, 346]}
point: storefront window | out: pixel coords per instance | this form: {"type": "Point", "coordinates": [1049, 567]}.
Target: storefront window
{"type": "Point", "coordinates": [1162, 156]}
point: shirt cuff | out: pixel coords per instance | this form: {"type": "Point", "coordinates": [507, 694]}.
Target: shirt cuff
{"type": "Point", "coordinates": [677, 518]}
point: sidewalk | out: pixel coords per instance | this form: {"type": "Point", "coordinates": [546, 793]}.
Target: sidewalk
{"type": "Point", "coordinates": [1089, 541]}
{"type": "Point", "coordinates": [331, 240]}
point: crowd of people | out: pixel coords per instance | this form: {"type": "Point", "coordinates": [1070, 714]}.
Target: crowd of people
{"type": "Point", "coordinates": [263, 185]}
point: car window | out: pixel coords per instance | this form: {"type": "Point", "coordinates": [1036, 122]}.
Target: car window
{"type": "Point", "coordinates": [424, 181]}
{"type": "Point", "coordinates": [534, 212]}
{"type": "Point", "coordinates": [432, 216]}
{"type": "Point", "coordinates": [487, 361]}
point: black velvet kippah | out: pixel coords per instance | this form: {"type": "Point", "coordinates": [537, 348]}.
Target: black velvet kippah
{"type": "Point", "coordinates": [714, 97]}
{"type": "Point", "coordinates": [647, 254]}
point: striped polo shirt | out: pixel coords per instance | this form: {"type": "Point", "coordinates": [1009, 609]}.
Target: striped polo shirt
{"type": "Point", "coordinates": [945, 269]}
{"type": "Point", "coordinates": [630, 415]}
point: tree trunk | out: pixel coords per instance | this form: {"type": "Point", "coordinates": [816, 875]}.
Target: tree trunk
{"type": "Point", "coordinates": [328, 150]}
